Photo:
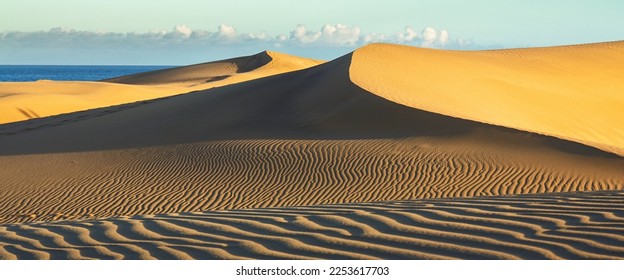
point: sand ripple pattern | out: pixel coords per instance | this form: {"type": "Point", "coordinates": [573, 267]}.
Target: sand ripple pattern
{"type": "Point", "coordinates": [547, 226]}
{"type": "Point", "coordinates": [270, 173]}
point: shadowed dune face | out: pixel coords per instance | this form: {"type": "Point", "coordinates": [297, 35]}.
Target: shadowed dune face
{"type": "Point", "coordinates": [300, 138]}
{"type": "Point", "coordinates": [545, 226]}
{"type": "Point", "coordinates": [227, 71]}
{"type": "Point", "coordinates": [318, 103]}
{"type": "Point", "coordinates": [198, 73]}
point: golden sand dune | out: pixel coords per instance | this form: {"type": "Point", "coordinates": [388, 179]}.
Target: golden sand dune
{"type": "Point", "coordinates": [570, 92]}
{"type": "Point", "coordinates": [27, 100]}
{"type": "Point", "coordinates": [300, 138]}
{"type": "Point", "coordinates": [266, 61]}
{"type": "Point", "coordinates": [326, 141]}
{"type": "Point", "coordinates": [545, 226]}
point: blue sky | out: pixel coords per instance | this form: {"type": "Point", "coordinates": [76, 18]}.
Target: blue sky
{"type": "Point", "coordinates": [192, 31]}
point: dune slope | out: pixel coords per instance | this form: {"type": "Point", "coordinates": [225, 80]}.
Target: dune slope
{"type": "Point", "coordinates": [569, 92]}
{"type": "Point", "coordinates": [220, 70]}
{"type": "Point", "coordinates": [197, 73]}
{"type": "Point", "coordinates": [545, 226]}
{"type": "Point", "coordinates": [27, 100]}
{"type": "Point", "coordinates": [300, 138]}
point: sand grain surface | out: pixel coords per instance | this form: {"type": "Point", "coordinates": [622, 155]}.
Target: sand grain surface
{"type": "Point", "coordinates": [545, 226]}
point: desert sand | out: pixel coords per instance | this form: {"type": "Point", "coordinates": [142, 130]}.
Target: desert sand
{"type": "Point", "coordinates": [544, 226]}
{"type": "Point", "coordinates": [570, 92]}
{"type": "Point", "coordinates": [387, 152]}
{"type": "Point", "coordinates": [26, 100]}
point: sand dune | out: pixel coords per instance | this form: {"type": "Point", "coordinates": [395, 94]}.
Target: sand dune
{"type": "Point", "coordinates": [27, 100]}
{"type": "Point", "coordinates": [349, 131]}
{"type": "Point", "coordinates": [570, 92]}
{"type": "Point", "coordinates": [299, 138]}
{"type": "Point", "coordinates": [545, 226]}
{"type": "Point", "coordinates": [267, 63]}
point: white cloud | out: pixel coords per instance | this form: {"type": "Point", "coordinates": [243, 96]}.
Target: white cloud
{"type": "Point", "coordinates": [227, 31]}
{"type": "Point", "coordinates": [337, 36]}
{"type": "Point", "coordinates": [329, 35]}
{"type": "Point", "coordinates": [373, 38]}
{"type": "Point", "coordinates": [182, 29]}
{"type": "Point", "coordinates": [340, 34]}
{"type": "Point", "coordinates": [444, 37]}
{"type": "Point", "coordinates": [409, 35]}
{"type": "Point", "coordinates": [262, 36]}
{"type": "Point", "coordinates": [302, 35]}
{"type": "Point", "coordinates": [430, 36]}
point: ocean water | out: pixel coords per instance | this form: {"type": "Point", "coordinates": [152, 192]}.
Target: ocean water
{"type": "Point", "coordinates": [27, 73]}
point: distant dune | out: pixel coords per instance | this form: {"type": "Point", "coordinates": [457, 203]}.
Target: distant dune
{"type": "Point", "coordinates": [384, 123]}
{"type": "Point", "coordinates": [229, 69]}
{"type": "Point", "coordinates": [27, 100]}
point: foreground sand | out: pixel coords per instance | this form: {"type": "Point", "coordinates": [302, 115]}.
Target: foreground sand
{"type": "Point", "coordinates": [275, 173]}
{"type": "Point", "coordinates": [545, 226]}
{"type": "Point", "coordinates": [346, 131]}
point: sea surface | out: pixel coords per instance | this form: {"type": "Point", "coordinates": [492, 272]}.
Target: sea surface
{"type": "Point", "coordinates": [27, 73]}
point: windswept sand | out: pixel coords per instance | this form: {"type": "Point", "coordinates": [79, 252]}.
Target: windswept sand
{"type": "Point", "coordinates": [545, 226]}
{"type": "Point", "coordinates": [27, 100]}
{"type": "Point", "coordinates": [329, 134]}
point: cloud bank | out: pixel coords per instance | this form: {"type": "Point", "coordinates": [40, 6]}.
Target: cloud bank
{"type": "Point", "coordinates": [329, 40]}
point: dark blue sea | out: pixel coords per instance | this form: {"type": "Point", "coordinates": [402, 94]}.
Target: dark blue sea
{"type": "Point", "coordinates": [27, 73]}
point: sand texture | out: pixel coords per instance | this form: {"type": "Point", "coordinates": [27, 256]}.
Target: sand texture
{"type": "Point", "coordinates": [545, 226]}
{"type": "Point", "coordinates": [316, 154]}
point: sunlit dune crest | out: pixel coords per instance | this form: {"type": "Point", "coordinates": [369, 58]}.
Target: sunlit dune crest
{"type": "Point", "coordinates": [570, 92]}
